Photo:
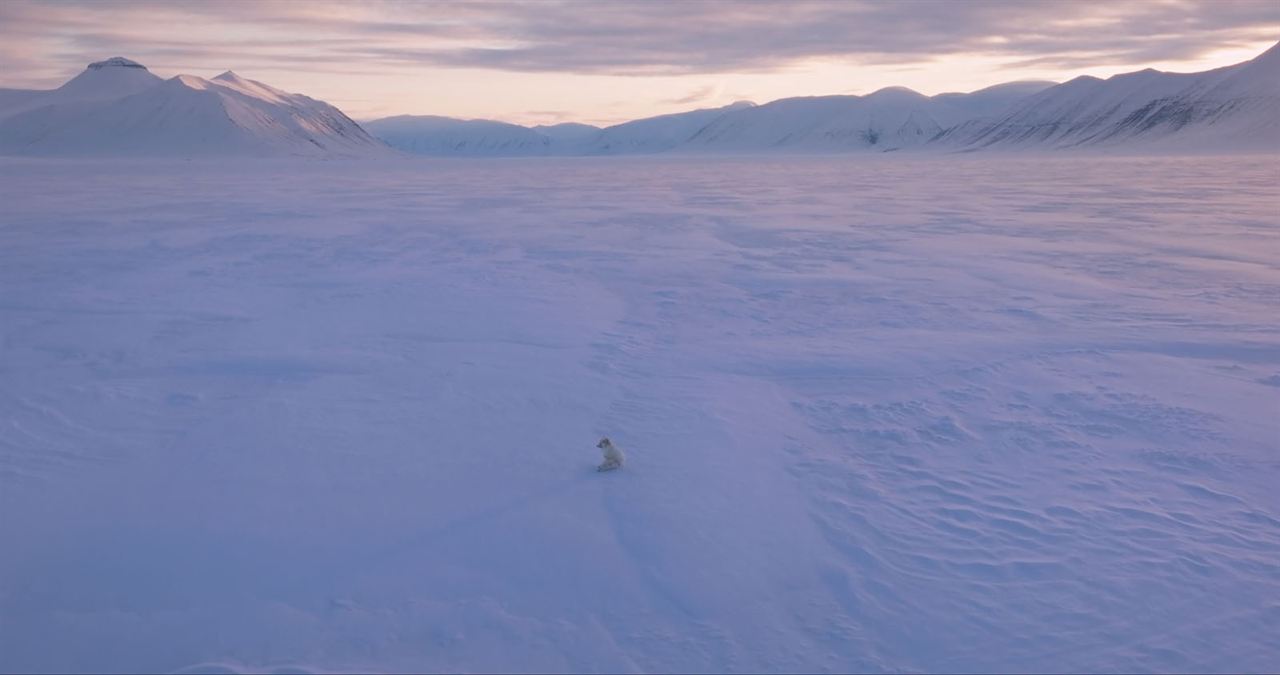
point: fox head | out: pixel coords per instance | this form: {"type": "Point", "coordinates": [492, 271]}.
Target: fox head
{"type": "Point", "coordinates": [604, 443]}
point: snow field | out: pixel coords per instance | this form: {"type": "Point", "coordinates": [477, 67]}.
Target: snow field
{"type": "Point", "coordinates": [880, 414]}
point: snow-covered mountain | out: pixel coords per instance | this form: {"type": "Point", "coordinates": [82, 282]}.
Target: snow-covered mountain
{"type": "Point", "coordinates": [118, 108]}
{"type": "Point", "coordinates": [1226, 109]}
{"type": "Point", "coordinates": [888, 119]}
{"type": "Point", "coordinates": [113, 78]}
{"type": "Point", "coordinates": [990, 102]}
{"type": "Point", "coordinates": [568, 132]}
{"type": "Point", "coordinates": [447, 136]}
{"type": "Point", "coordinates": [657, 134]}
{"type": "Point", "coordinates": [13, 101]}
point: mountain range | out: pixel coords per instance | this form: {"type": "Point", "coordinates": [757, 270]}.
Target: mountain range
{"type": "Point", "coordinates": [1226, 109]}
{"type": "Point", "coordinates": [117, 107]}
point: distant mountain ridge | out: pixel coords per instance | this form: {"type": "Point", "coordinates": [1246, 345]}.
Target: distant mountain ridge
{"type": "Point", "coordinates": [447, 136]}
{"type": "Point", "coordinates": [450, 137]}
{"type": "Point", "coordinates": [117, 107]}
{"type": "Point", "coordinates": [1231, 108]}
{"type": "Point", "coordinates": [889, 119]}
{"type": "Point", "coordinates": [661, 133]}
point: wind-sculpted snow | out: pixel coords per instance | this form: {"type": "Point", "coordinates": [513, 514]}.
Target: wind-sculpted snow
{"type": "Point", "coordinates": [882, 413]}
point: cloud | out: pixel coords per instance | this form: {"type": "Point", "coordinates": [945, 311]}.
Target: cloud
{"type": "Point", "coordinates": [618, 37]}
{"type": "Point", "coordinates": [547, 117]}
{"type": "Point", "coordinates": [694, 96]}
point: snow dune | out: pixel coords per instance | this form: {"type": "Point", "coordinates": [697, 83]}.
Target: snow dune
{"type": "Point", "coordinates": [880, 414]}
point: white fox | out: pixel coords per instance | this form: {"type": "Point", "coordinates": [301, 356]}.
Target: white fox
{"type": "Point", "coordinates": [613, 457]}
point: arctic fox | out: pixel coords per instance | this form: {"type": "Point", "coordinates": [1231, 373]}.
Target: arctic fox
{"type": "Point", "coordinates": [613, 457]}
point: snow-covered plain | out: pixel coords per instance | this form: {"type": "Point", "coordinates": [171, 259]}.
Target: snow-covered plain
{"type": "Point", "coordinates": [880, 413]}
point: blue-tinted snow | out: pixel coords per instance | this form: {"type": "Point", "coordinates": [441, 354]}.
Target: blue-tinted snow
{"type": "Point", "coordinates": [947, 414]}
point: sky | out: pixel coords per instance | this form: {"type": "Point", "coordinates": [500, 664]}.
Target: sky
{"type": "Point", "coordinates": [602, 62]}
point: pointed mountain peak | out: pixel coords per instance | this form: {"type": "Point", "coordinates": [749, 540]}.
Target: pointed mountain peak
{"type": "Point", "coordinates": [251, 87]}
{"type": "Point", "coordinates": [188, 81]}
{"type": "Point", "coordinates": [116, 62]}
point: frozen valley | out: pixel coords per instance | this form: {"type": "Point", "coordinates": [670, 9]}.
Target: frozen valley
{"type": "Point", "coordinates": [880, 414]}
